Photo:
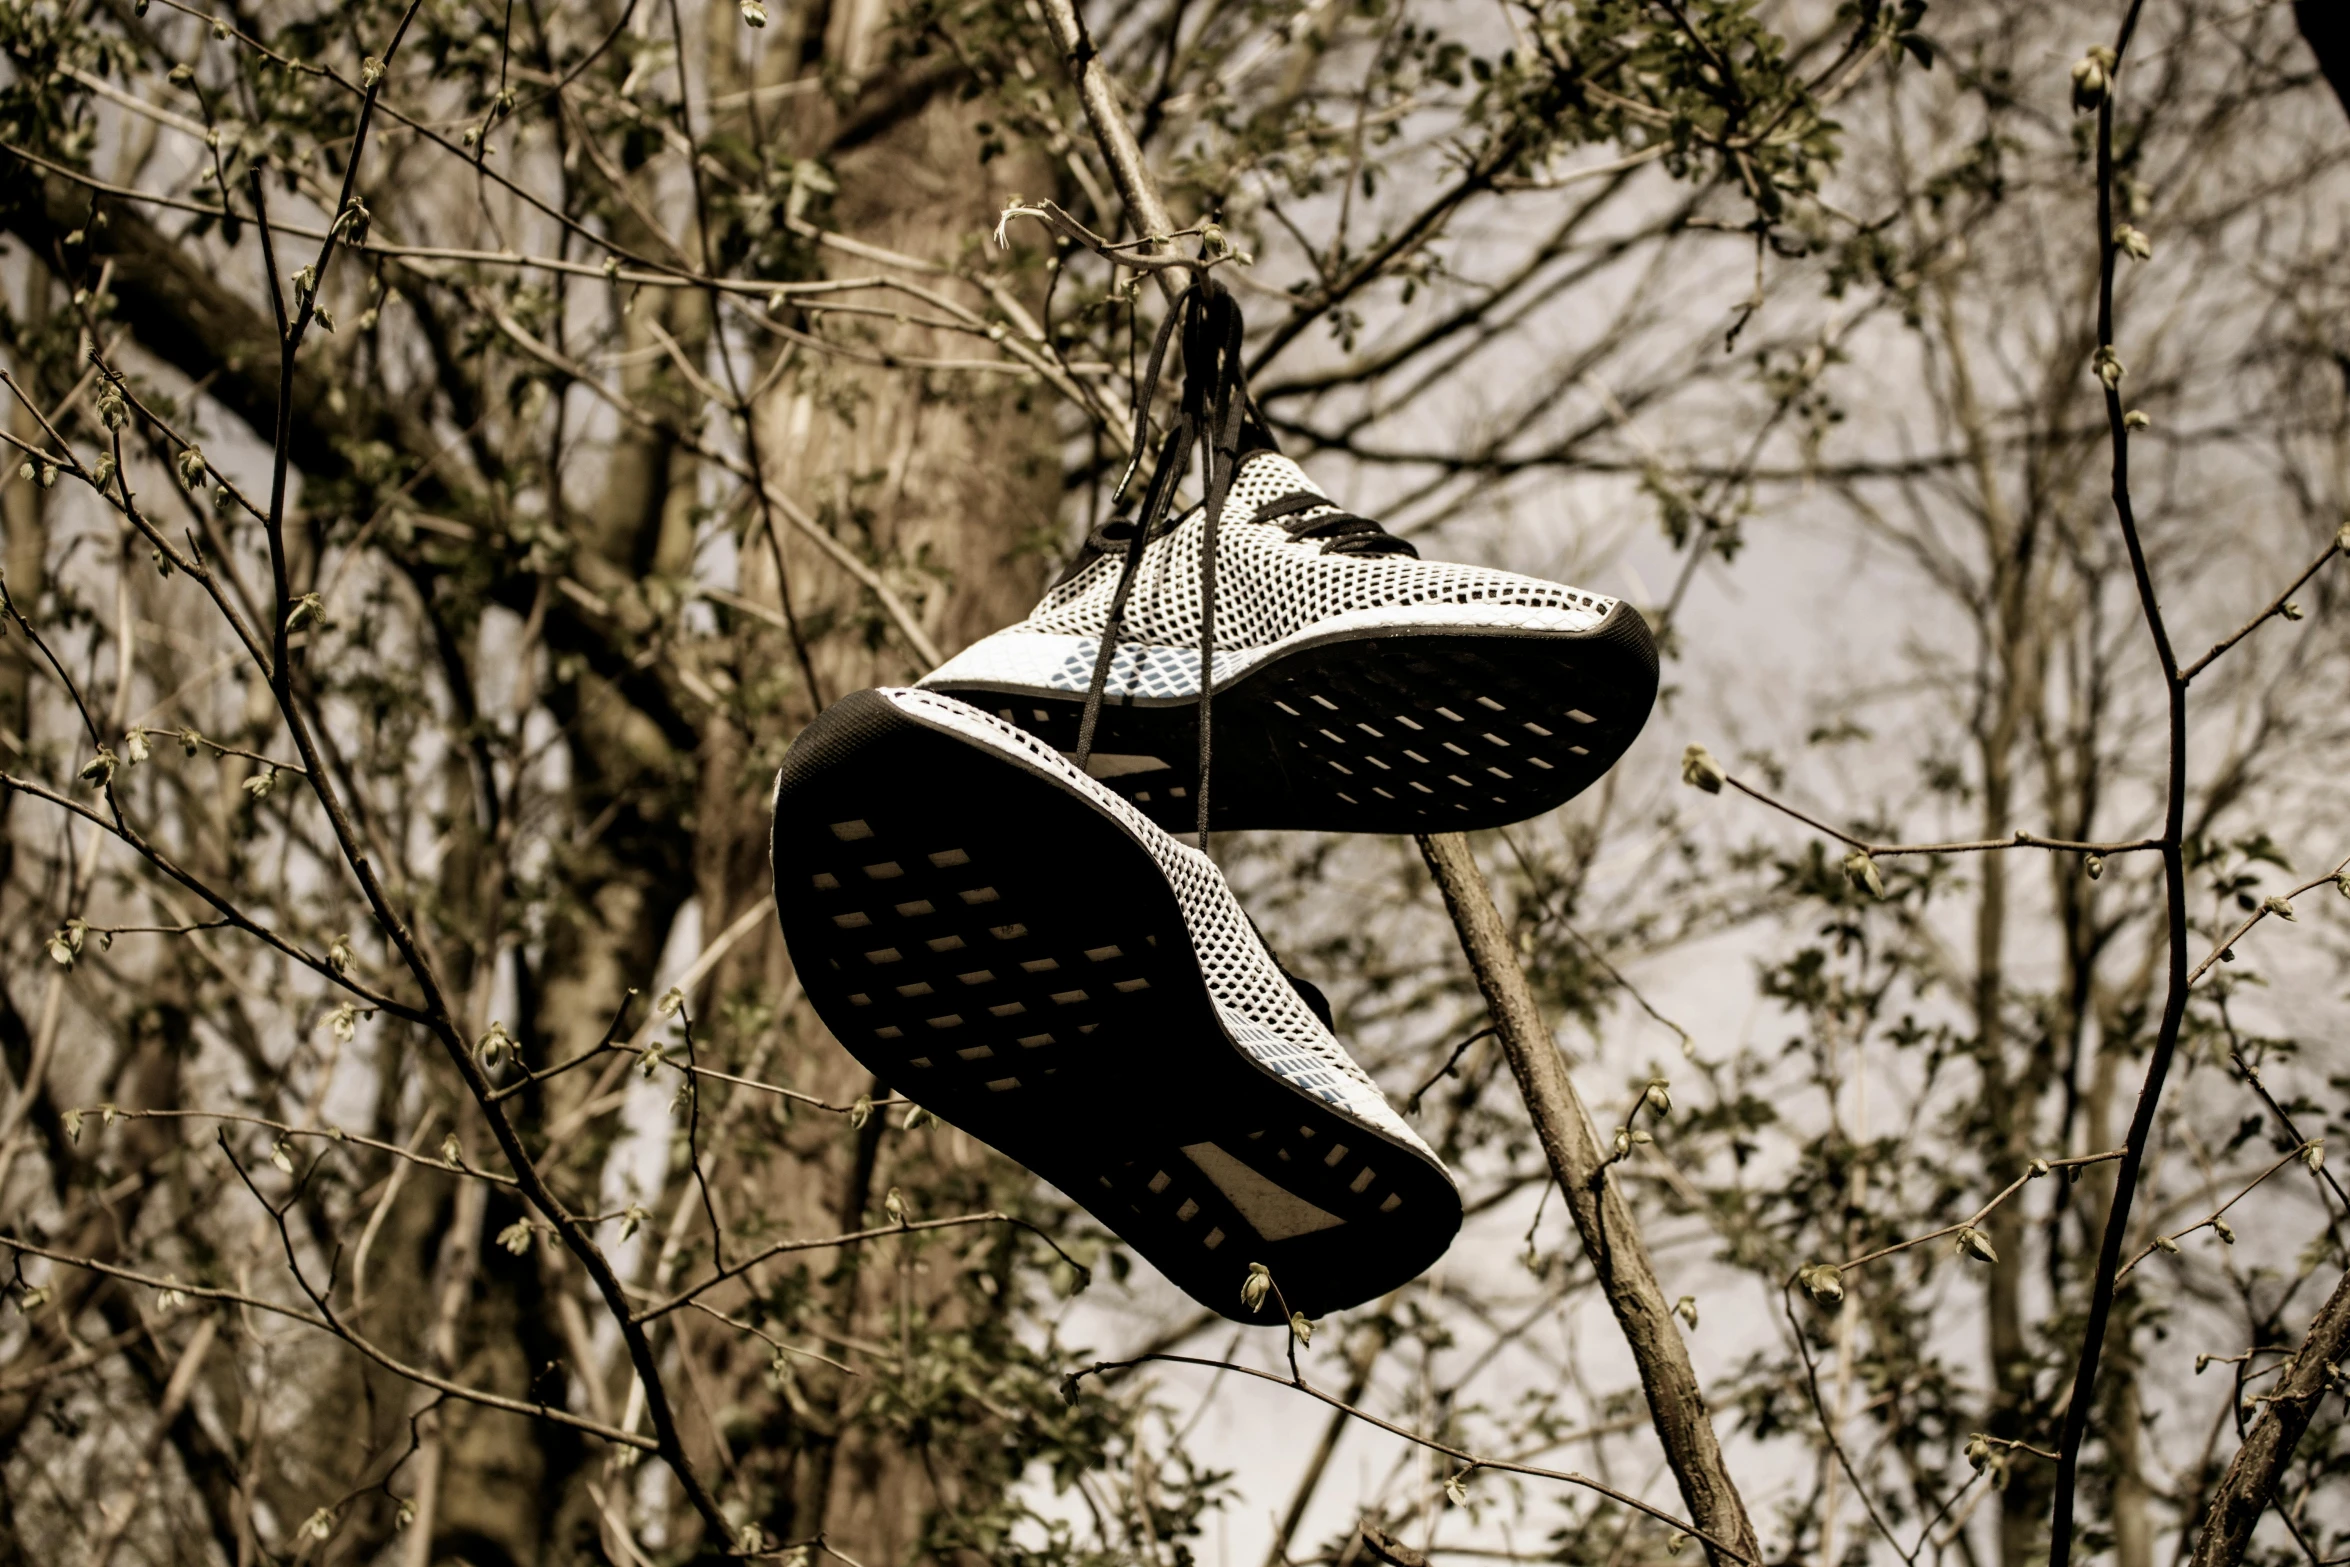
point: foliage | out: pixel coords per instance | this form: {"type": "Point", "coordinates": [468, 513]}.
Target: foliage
{"type": "Point", "coordinates": [369, 768]}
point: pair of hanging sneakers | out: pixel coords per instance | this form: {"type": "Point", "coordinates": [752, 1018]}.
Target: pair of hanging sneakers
{"type": "Point", "coordinates": [984, 901]}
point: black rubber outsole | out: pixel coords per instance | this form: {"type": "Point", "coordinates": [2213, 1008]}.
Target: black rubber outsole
{"type": "Point", "coordinates": [997, 949]}
{"type": "Point", "coordinates": [1384, 731]}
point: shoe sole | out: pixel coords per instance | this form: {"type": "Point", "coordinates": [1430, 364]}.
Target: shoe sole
{"type": "Point", "coordinates": [997, 948]}
{"type": "Point", "coordinates": [1430, 730]}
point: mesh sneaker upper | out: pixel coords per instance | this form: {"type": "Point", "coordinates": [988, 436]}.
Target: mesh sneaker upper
{"type": "Point", "coordinates": [1270, 585]}
{"type": "Point", "coordinates": [1258, 1004]}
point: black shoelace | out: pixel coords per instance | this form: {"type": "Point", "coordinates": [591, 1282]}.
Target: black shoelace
{"type": "Point", "coordinates": [1215, 414]}
{"type": "Point", "coordinates": [1342, 533]}
{"type": "Point", "coordinates": [1209, 413]}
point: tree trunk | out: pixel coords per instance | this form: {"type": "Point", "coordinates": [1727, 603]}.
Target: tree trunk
{"type": "Point", "coordinates": [2251, 1481]}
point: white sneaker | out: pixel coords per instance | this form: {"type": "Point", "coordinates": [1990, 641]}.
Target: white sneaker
{"type": "Point", "coordinates": [1005, 942]}
{"type": "Point", "coordinates": [1356, 687]}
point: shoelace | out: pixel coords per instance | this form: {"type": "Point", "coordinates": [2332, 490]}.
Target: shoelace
{"type": "Point", "coordinates": [1214, 409]}
{"type": "Point", "coordinates": [1215, 402]}
{"type": "Point", "coordinates": [1210, 411]}
{"type": "Point", "coordinates": [1343, 533]}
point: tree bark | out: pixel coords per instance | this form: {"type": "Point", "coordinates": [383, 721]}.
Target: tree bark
{"type": "Point", "coordinates": [1676, 1404]}
{"type": "Point", "coordinates": [2250, 1484]}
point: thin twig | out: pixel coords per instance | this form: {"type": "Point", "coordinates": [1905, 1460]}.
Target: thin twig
{"type": "Point", "coordinates": [1418, 1439]}
{"type": "Point", "coordinates": [687, 1296]}
{"type": "Point", "coordinates": [2277, 606]}
{"type": "Point", "coordinates": [1880, 851]}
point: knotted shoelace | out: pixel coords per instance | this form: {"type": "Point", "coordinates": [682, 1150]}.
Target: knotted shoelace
{"type": "Point", "coordinates": [1210, 414]}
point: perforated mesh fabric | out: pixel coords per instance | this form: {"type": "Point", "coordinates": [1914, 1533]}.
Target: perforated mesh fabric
{"type": "Point", "coordinates": [1270, 585]}
{"type": "Point", "coordinates": [1259, 1006]}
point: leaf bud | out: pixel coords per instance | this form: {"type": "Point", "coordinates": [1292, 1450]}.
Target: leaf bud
{"type": "Point", "coordinates": [2290, 610]}
{"type": "Point", "coordinates": [371, 71]}
{"type": "Point", "coordinates": [190, 463]}
{"type": "Point", "coordinates": [1823, 1282]}
{"type": "Point", "coordinates": [452, 1154]}
{"type": "Point", "coordinates": [515, 1237]}
{"type": "Point", "coordinates": [1974, 1243]}
{"type": "Point", "coordinates": [2225, 1231]}
{"type": "Point", "coordinates": [861, 1111]}
{"type": "Point", "coordinates": [2039, 1167]}
{"type": "Point", "coordinates": [113, 412]}
{"type": "Point", "coordinates": [282, 1155]}
{"type": "Point", "coordinates": [2277, 906]}
{"type": "Point", "coordinates": [99, 769]}
{"type": "Point", "coordinates": [2108, 366]}
{"type": "Point", "coordinates": [1978, 1451]}
{"type": "Point", "coordinates": [1700, 771]}
{"type": "Point", "coordinates": [1860, 869]}
{"type": "Point", "coordinates": [338, 954]}
{"type": "Point", "coordinates": [2094, 865]}
{"type": "Point", "coordinates": [1301, 1328]}
{"type": "Point", "coordinates": [2313, 1154]}
{"type": "Point", "coordinates": [2166, 1243]}
{"type": "Point", "coordinates": [671, 1003]}
{"type": "Point", "coordinates": [894, 1204]}
{"type": "Point", "coordinates": [181, 75]}
{"type": "Point", "coordinates": [2136, 419]}
{"type": "Point", "coordinates": [1686, 1309]}
{"type": "Point", "coordinates": [754, 14]}
{"type": "Point", "coordinates": [2132, 242]}
{"type": "Point", "coordinates": [2092, 74]}
{"type": "Point", "coordinates": [135, 747]}
{"type": "Point", "coordinates": [1255, 1287]}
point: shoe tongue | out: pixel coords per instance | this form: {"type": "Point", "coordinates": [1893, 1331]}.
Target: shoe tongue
{"type": "Point", "coordinates": [1265, 477]}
